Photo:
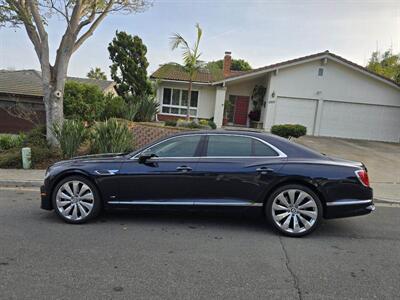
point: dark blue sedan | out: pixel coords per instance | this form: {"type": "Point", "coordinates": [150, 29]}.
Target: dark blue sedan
{"type": "Point", "coordinates": [294, 186]}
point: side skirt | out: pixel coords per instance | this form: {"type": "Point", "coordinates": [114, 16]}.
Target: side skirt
{"type": "Point", "coordinates": [207, 202]}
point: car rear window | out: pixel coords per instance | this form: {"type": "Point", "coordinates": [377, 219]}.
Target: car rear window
{"type": "Point", "coordinates": [237, 146]}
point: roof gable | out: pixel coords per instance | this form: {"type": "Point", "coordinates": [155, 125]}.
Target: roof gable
{"type": "Point", "coordinates": [308, 58]}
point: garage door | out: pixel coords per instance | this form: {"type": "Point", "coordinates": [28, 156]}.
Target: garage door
{"type": "Point", "coordinates": [296, 111]}
{"type": "Point", "coordinates": [360, 121]}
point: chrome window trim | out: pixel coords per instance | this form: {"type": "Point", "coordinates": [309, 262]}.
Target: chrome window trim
{"type": "Point", "coordinates": [348, 202]}
{"type": "Point", "coordinates": [280, 153]}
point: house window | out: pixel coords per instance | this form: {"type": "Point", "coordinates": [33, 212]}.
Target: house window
{"type": "Point", "coordinates": [320, 71]}
{"type": "Point", "coordinates": [174, 102]}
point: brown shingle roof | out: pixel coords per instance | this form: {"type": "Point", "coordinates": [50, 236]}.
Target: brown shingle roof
{"type": "Point", "coordinates": [176, 72]}
{"type": "Point", "coordinates": [29, 82]}
{"type": "Point", "coordinates": [24, 82]}
{"type": "Point", "coordinates": [172, 71]}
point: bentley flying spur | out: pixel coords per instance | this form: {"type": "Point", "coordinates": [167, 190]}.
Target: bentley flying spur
{"type": "Point", "coordinates": [295, 187]}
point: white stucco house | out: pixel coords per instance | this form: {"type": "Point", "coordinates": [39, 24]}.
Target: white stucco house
{"type": "Point", "coordinates": [328, 94]}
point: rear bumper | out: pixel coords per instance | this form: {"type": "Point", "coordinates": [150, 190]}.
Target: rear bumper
{"type": "Point", "coordinates": [348, 208]}
{"type": "Point", "coordinates": [45, 199]}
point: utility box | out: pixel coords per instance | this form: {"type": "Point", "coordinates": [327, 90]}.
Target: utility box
{"type": "Point", "coordinates": [26, 158]}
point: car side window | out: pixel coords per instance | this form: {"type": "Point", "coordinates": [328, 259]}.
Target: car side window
{"type": "Point", "coordinates": [184, 146]}
{"type": "Point", "coordinates": [241, 146]}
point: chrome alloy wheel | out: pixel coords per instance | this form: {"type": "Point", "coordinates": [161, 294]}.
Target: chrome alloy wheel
{"type": "Point", "coordinates": [294, 211]}
{"type": "Point", "coordinates": [75, 200]}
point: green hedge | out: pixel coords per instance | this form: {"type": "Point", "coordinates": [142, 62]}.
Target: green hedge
{"type": "Point", "coordinates": [171, 123]}
{"type": "Point", "coordinates": [289, 130]}
{"type": "Point", "coordinates": [9, 141]}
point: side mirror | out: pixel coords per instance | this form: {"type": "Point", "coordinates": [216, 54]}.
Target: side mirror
{"type": "Point", "coordinates": [143, 157]}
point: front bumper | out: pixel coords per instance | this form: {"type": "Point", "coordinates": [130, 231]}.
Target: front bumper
{"type": "Point", "coordinates": [348, 208]}
{"type": "Point", "coordinates": [45, 199]}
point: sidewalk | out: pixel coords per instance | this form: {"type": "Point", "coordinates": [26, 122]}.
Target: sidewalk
{"type": "Point", "coordinates": [383, 192]}
{"type": "Point", "coordinates": [21, 178]}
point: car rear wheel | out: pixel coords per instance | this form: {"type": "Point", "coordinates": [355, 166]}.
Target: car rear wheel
{"type": "Point", "coordinates": [76, 200]}
{"type": "Point", "coordinates": [294, 210]}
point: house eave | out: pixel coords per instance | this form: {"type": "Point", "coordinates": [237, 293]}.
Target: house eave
{"type": "Point", "coordinates": [181, 81]}
{"type": "Point", "coordinates": [327, 56]}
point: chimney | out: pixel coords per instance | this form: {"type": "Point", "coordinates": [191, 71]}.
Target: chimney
{"type": "Point", "coordinates": [227, 63]}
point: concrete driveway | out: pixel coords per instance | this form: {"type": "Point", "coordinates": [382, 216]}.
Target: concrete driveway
{"type": "Point", "coordinates": [382, 160]}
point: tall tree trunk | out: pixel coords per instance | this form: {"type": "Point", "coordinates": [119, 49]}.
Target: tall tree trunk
{"type": "Point", "coordinates": [54, 111]}
{"type": "Point", "coordinates": [189, 99]}
{"type": "Point", "coordinates": [53, 79]}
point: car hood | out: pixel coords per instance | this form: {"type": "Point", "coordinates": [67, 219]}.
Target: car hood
{"type": "Point", "coordinates": [93, 158]}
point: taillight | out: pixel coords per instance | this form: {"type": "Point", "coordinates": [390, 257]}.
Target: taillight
{"type": "Point", "coordinates": [362, 175]}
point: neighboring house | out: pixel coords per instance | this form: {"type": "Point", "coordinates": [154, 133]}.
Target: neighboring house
{"type": "Point", "coordinates": [328, 94]}
{"type": "Point", "coordinates": [24, 88]}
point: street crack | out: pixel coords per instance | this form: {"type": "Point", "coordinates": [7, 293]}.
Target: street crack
{"type": "Point", "coordinates": [288, 267]}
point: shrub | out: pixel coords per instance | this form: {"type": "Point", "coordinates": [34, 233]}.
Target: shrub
{"type": "Point", "coordinates": [36, 137]}
{"type": "Point", "coordinates": [114, 107]}
{"type": "Point", "coordinates": [255, 115]}
{"type": "Point", "coordinates": [289, 130]}
{"type": "Point", "coordinates": [83, 101]}
{"type": "Point", "coordinates": [203, 122]}
{"type": "Point", "coordinates": [187, 124]}
{"type": "Point", "coordinates": [70, 135]}
{"type": "Point", "coordinates": [111, 137]}
{"type": "Point", "coordinates": [142, 109]}
{"type": "Point", "coordinates": [212, 124]}
{"type": "Point", "coordinates": [8, 141]}
{"type": "Point", "coordinates": [131, 111]}
{"type": "Point", "coordinates": [170, 123]}
{"type": "Point", "coordinates": [11, 159]}
{"type": "Point", "coordinates": [44, 156]}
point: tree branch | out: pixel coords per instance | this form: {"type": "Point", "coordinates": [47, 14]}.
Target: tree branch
{"type": "Point", "coordinates": [94, 25]}
{"type": "Point", "coordinates": [38, 20]}
{"type": "Point", "coordinates": [25, 16]}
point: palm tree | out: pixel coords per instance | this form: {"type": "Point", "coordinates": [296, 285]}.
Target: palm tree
{"type": "Point", "coordinates": [190, 57]}
{"type": "Point", "coordinates": [96, 73]}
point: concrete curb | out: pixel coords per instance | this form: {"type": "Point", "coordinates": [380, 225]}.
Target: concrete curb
{"type": "Point", "coordinates": [386, 200]}
{"type": "Point", "coordinates": [20, 183]}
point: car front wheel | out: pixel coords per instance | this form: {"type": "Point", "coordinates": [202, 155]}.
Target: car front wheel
{"type": "Point", "coordinates": [76, 200]}
{"type": "Point", "coordinates": [294, 210]}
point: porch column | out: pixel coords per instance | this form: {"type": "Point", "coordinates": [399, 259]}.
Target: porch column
{"type": "Point", "coordinates": [318, 116]}
{"type": "Point", "coordinates": [219, 106]}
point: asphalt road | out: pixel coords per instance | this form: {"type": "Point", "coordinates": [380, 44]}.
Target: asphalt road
{"type": "Point", "coordinates": [192, 255]}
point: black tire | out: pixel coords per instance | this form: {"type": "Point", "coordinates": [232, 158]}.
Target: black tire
{"type": "Point", "coordinates": [94, 200]}
{"type": "Point", "coordinates": [304, 210]}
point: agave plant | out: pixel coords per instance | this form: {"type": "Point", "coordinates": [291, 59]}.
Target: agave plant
{"type": "Point", "coordinates": [142, 109]}
{"type": "Point", "coordinates": [70, 136]}
{"type": "Point", "coordinates": [111, 137]}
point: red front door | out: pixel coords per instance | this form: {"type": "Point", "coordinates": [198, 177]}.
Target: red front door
{"type": "Point", "coordinates": [241, 110]}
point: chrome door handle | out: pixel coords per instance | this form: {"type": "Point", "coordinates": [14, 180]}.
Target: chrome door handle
{"type": "Point", "coordinates": [264, 170]}
{"type": "Point", "coordinates": [184, 169]}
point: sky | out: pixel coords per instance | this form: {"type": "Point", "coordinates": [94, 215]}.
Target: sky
{"type": "Point", "coordinates": [261, 32]}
